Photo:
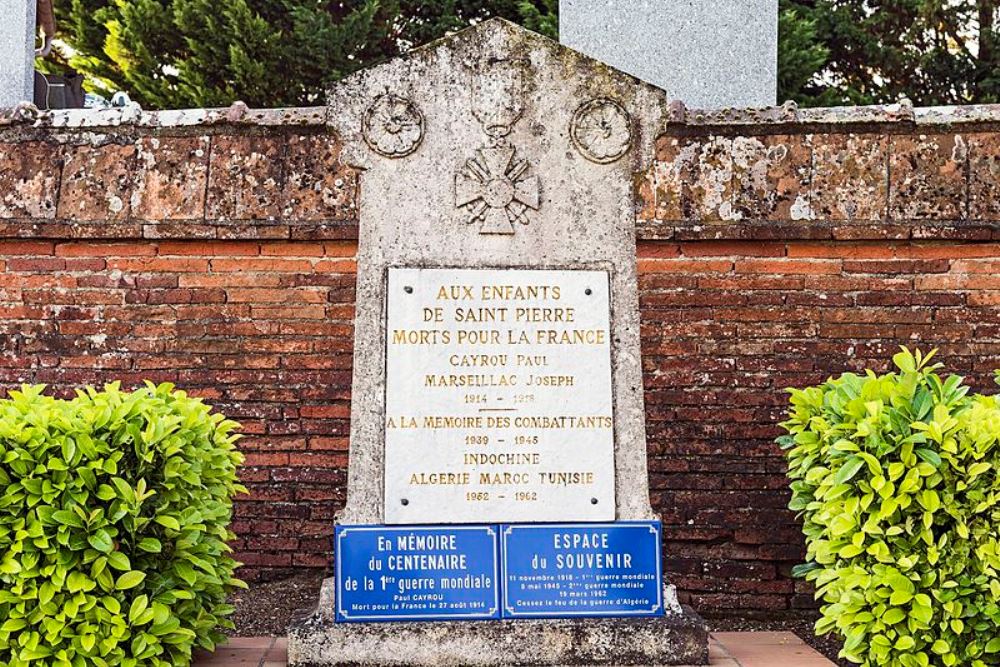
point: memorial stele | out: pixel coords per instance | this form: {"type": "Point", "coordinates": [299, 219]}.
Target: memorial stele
{"type": "Point", "coordinates": [497, 369]}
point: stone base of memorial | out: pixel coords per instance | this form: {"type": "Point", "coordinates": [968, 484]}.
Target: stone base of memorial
{"type": "Point", "coordinates": [679, 637]}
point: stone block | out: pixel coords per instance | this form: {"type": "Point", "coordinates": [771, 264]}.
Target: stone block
{"type": "Point", "coordinates": [245, 178]}
{"type": "Point", "coordinates": [318, 185]}
{"type": "Point", "coordinates": [17, 44]}
{"type": "Point", "coordinates": [692, 179]}
{"type": "Point", "coordinates": [678, 638]}
{"type": "Point", "coordinates": [708, 54]}
{"type": "Point", "coordinates": [771, 177]}
{"type": "Point", "coordinates": [29, 179]}
{"type": "Point", "coordinates": [97, 183]}
{"type": "Point", "coordinates": [984, 176]}
{"type": "Point", "coordinates": [850, 177]}
{"type": "Point", "coordinates": [927, 177]}
{"type": "Point", "coordinates": [172, 178]}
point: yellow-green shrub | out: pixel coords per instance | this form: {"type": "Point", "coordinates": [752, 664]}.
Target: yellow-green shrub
{"type": "Point", "coordinates": [114, 517]}
{"type": "Point", "coordinates": [895, 479]}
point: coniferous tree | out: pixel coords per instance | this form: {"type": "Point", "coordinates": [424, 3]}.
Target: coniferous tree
{"type": "Point", "coordinates": [181, 53]}
{"type": "Point", "coordinates": [801, 55]}
{"type": "Point", "coordinates": [931, 51]}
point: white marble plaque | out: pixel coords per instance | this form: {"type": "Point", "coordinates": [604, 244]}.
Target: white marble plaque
{"type": "Point", "coordinates": [498, 396]}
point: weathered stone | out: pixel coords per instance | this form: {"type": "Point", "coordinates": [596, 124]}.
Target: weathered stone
{"type": "Point", "coordinates": [850, 176]}
{"type": "Point", "coordinates": [984, 176]}
{"type": "Point", "coordinates": [245, 177]}
{"type": "Point", "coordinates": [415, 221]}
{"type": "Point", "coordinates": [953, 115]}
{"type": "Point", "coordinates": [902, 112]}
{"type": "Point", "coordinates": [772, 177]}
{"type": "Point", "coordinates": [97, 182]}
{"type": "Point", "coordinates": [692, 179]}
{"type": "Point", "coordinates": [751, 116]}
{"type": "Point", "coordinates": [173, 175]}
{"type": "Point", "coordinates": [318, 185]}
{"type": "Point", "coordinates": [927, 177]}
{"type": "Point", "coordinates": [708, 54]}
{"type": "Point", "coordinates": [29, 179]}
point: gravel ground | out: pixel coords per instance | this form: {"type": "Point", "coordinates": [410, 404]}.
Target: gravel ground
{"type": "Point", "coordinates": [266, 608]}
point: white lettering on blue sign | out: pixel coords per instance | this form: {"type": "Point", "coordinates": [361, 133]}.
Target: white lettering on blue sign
{"type": "Point", "coordinates": [424, 573]}
{"type": "Point", "coordinates": [581, 570]}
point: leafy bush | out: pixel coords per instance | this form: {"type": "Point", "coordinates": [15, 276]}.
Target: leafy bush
{"type": "Point", "coordinates": [114, 515]}
{"type": "Point", "coordinates": [895, 478]}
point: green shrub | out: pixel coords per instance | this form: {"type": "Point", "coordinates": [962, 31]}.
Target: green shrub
{"type": "Point", "coordinates": [114, 518]}
{"type": "Point", "coordinates": [895, 478]}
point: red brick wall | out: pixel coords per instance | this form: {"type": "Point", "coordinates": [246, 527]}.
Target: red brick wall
{"type": "Point", "coordinates": [220, 258]}
{"type": "Point", "coordinates": [727, 326]}
{"type": "Point", "coordinates": [262, 330]}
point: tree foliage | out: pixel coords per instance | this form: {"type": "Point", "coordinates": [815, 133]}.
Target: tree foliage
{"type": "Point", "coordinates": [931, 51]}
{"type": "Point", "coordinates": [181, 53]}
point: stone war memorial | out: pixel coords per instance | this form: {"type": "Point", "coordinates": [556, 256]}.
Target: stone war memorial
{"type": "Point", "coordinates": [508, 330]}
{"type": "Point", "coordinates": [497, 503]}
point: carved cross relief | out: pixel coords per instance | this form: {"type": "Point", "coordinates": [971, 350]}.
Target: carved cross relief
{"type": "Point", "coordinates": [495, 188]}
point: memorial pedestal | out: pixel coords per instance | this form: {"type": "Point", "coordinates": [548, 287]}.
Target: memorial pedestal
{"type": "Point", "coordinates": [680, 637]}
{"type": "Point", "coordinates": [497, 371]}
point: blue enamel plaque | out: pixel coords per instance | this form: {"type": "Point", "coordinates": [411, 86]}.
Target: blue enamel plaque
{"type": "Point", "coordinates": [418, 573]}
{"type": "Point", "coordinates": [604, 569]}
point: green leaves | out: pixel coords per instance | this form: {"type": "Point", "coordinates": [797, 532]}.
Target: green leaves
{"type": "Point", "coordinates": [150, 545]}
{"type": "Point", "coordinates": [101, 541]}
{"type": "Point", "coordinates": [119, 561]}
{"type": "Point", "coordinates": [848, 470]}
{"type": "Point", "coordinates": [894, 478]}
{"type": "Point", "coordinates": [168, 522]}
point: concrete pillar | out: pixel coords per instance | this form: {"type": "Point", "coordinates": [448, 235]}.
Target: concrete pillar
{"type": "Point", "coordinates": [708, 53]}
{"type": "Point", "coordinates": [17, 52]}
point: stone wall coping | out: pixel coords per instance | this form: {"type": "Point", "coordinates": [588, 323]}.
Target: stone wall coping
{"type": "Point", "coordinates": [239, 114]}
{"type": "Point", "coordinates": [133, 115]}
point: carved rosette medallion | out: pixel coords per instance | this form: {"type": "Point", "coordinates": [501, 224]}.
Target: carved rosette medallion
{"type": "Point", "coordinates": [393, 126]}
{"type": "Point", "coordinates": [495, 189]}
{"type": "Point", "coordinates": [601, 130]}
